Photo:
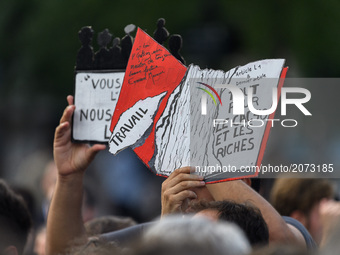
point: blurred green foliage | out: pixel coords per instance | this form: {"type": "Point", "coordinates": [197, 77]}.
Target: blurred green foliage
{"type": "Point", "coordinates": [39, 40]}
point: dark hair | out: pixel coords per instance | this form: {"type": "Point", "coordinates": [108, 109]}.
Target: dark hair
{"type": "Point", "coordinates": [94, 246]}
{"type": "Point", "coordinates": [246, 216]}
{"type": "Point", "coordinates": [107, 224]}
{"type": "Point", "coordinates": [15, 219]}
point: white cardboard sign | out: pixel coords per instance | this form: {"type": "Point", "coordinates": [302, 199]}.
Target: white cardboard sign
{"type": "Point", "coordinates": [96, 96]}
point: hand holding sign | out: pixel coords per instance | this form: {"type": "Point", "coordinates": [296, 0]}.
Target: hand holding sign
{"type": "Point", "coordinates": [69, 157]}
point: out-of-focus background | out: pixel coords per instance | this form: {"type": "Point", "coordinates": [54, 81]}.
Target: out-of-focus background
{"type": "Point", "coordinates": [38, 48]}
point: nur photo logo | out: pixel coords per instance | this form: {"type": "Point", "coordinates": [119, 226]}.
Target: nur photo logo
{"type": "Point", "coordinates": [244, 102]}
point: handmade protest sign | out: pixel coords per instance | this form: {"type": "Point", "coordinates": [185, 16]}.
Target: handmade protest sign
{"type": "Point", "coordinates": [236, 127]}
{"type": "Point", "coordinates": [203, 130]}
{"type": "Point", "coordinates": [96, 94]}
{"type": "Point", "coordinates": [151, 76]}
{"type": "Point", "coordinates": [164, 114]}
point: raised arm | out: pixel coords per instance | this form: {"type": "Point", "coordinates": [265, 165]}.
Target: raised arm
{"type": "Point", "coordinates": [330, 219]}
{"type": "Point", "coordinates": [240, 192]}
{"type": "Point", "coordinates": [64, 222]}
{"type": "Point", "coordinates": [178, 189]}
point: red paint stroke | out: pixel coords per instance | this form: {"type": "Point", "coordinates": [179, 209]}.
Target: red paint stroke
{"type": "Point", "coordinates": [151, 70]}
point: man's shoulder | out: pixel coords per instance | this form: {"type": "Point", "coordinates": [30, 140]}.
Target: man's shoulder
{"type": "Point", "coordinates": [293, 223]}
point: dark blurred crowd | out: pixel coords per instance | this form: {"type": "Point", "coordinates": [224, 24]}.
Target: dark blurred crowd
{"type": "Point", "coordinates": [301, 216]}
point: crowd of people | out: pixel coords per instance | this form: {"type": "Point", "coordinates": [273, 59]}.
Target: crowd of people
{"type": "Point", "coordinates": [302, 216]}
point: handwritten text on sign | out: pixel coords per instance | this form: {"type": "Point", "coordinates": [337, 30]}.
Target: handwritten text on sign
{"type": "Point", "coordinates": [151, 76]}
{"type": "Point", "coordinates": [96, 96]}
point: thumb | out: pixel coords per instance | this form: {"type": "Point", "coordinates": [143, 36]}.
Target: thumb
{"type": "Point", "coordinates": [93, 150]}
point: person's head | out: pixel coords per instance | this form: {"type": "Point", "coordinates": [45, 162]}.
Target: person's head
{"type": "Point", "coordinates": [300, 199]}
{"type": "Point", "coordinates": [246, 216]}
{"type": "Point", "coordinates": [202, 194]}
{"type": "Point", "coordinates": [15, 221]}
{"type": "Point", "coordinates": [105, 224]}
{"type": "Point", "coordinates": [95, 246]}
{"type": "Point", "coordinates": [199, 236]}
{"type": "Point", "coordinates": [282, 249]}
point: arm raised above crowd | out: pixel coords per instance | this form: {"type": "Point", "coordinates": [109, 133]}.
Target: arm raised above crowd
{"type": "Point", "coordinates": [240, 192]}
{"type": "Point", "coordinates": [178, 189]}
{"type": "Point", "coordinates": [330, 218]}
{"type": "Point", "coordinates": [64, 222]}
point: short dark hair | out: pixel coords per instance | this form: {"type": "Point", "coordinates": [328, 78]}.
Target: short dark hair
{"type": "Point", "coordinates": [105, 224]}
{"type": "Point", "coordinates": [248, 217]}
{"type": "Point", "coordinates": [15, 219]}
